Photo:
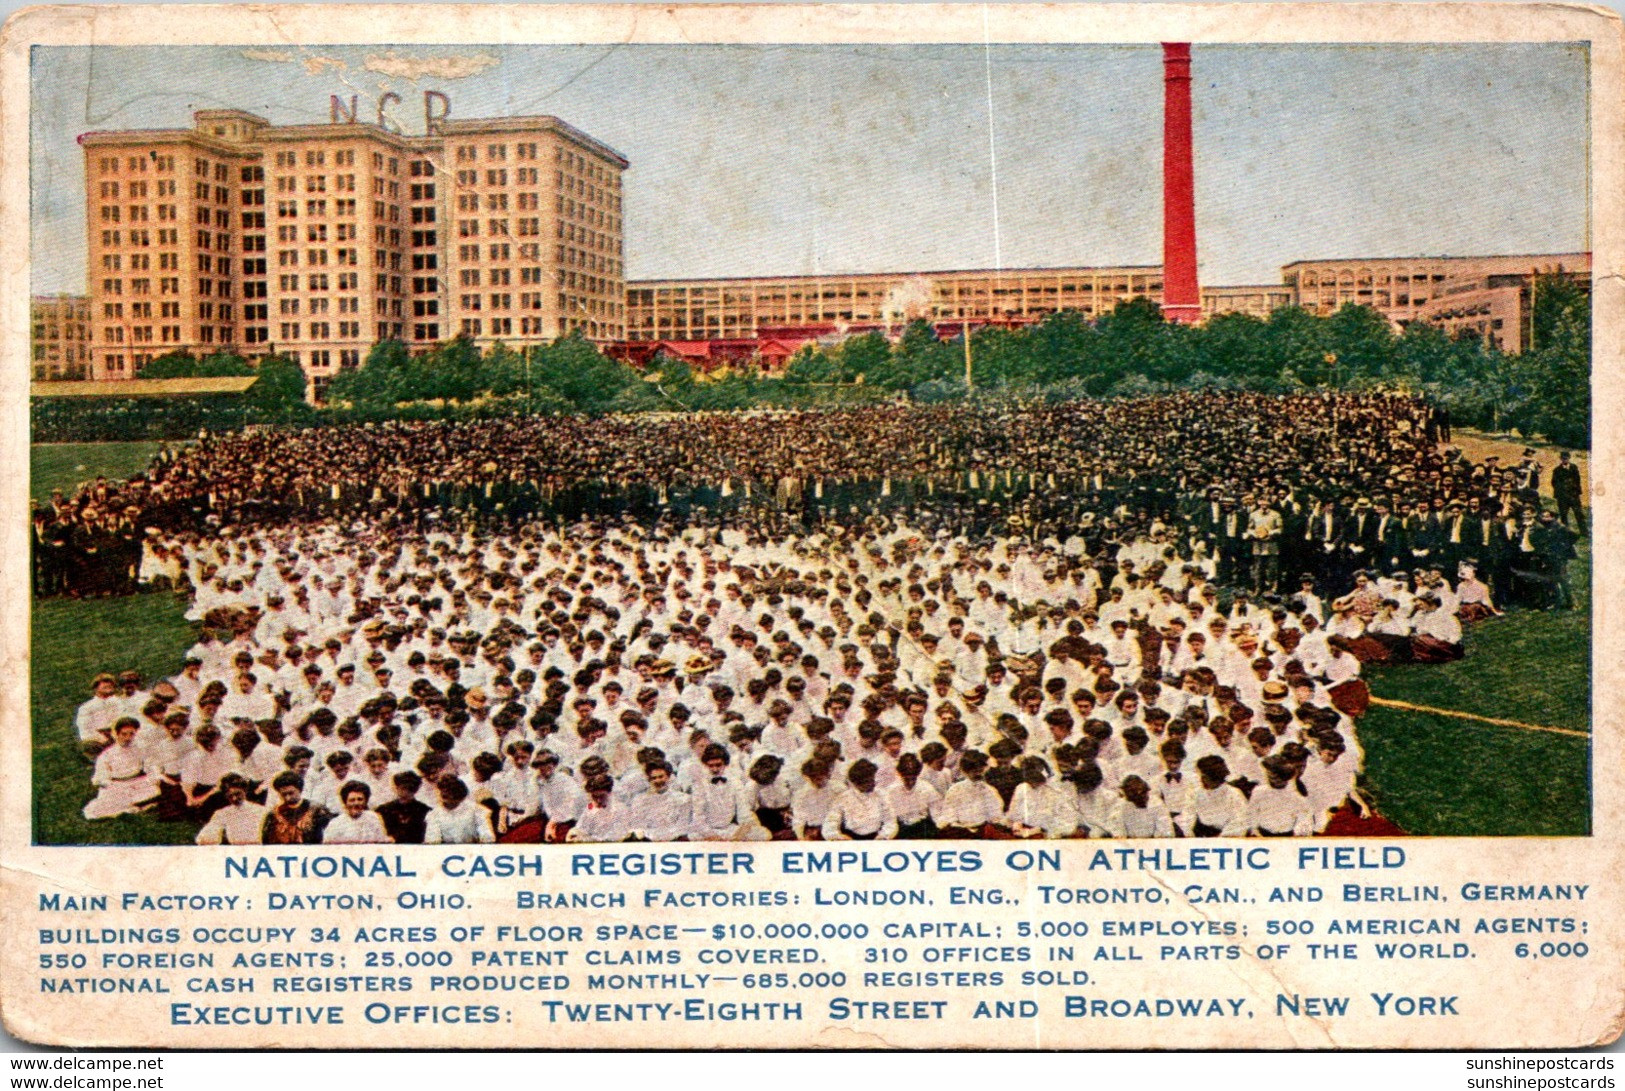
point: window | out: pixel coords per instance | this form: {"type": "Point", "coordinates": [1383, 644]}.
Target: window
{"type": "Point", "coordinates": [316, 183]}
{"type": "Point", "coordinates": [471, 302]}
{"type": "Point", "coordinates": [471, 327]}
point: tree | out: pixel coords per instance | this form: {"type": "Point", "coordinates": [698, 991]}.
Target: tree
{"type": "Point", "coordinates": [1296, 342]}
{"type": "Point", "coordinates": [1359, 341]}
{"type": "Point", "coordinates": [183, 365]}
{"type": "Point", "coordinates": [278, 395]}
{"type": "Point", "coordinates": [585, 377]}
{"type": "Point", "coordinates": [864, 355]}
{"type": "Point", "coordinates": [919, 357]}
{"type": "Point", "coordinates": [1235, 347]}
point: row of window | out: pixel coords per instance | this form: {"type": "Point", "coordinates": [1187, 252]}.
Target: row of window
{"type": "Point", "coordinates": [137, 191]}
{"type": "Point", "coordinates": [316, 157]}
{"type": "Point", "coordinates": [162, 164]}
{"type": "Point", "coordinates": [347, 304]}
{"type": "Point", "coordinates": [321, 331]}
{"type": "Point", "coordinates": [316, 207]}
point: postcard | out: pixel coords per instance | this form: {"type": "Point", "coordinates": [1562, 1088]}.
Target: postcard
{"type": "Point", "coordinates": [560, 527]}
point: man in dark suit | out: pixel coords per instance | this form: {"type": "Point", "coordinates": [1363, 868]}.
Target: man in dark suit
{"type": "Point", "coordinates": [1359, 540]}
{"type": "Point", "coordinates": [1388, 545]}
{"type": "Point", "coordinates": [1554, 547]}
{"type": "Point", "coordinates": [1324, 533]}
{"type": "Point", "coordinates": [1566, 491]}
{"type": "Point", "coordinates": [1235, 552]}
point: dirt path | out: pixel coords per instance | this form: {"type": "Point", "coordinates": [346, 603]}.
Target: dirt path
{"type": "Point", "coordinates": [1478, 446]}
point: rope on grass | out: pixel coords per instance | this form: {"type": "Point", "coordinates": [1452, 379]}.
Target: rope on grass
{"type": "Point", "coordinates": [1407, 706]}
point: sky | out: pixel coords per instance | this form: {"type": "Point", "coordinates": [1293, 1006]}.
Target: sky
{"type": "Point", "coordinates": [793, 159]}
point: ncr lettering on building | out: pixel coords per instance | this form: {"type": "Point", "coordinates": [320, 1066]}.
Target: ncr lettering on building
{"type": "Point", "coordinates": [315, 241]}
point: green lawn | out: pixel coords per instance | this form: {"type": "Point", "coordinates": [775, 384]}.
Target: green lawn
{"type": "Point", "coordinates": [65, 465]}
{"type": "Point", "coordinates": [1446, 776]}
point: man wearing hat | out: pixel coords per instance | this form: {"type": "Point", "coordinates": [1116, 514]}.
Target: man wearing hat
{"type": "Point", "coordinates": [1566, 491]}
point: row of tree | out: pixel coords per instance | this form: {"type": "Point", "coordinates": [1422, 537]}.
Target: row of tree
{"type": "Point", "coordinates": [1126, 352]}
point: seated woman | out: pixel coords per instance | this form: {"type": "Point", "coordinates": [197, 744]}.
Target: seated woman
{"type": "Point", "coordinates": [1473, 596]}
{"type": "Point", "coordinates": [1390, 631]}
{"type": "Point", "coordinates": [1437, 637]}
{"type": "Point", "coordinates": [1363, 600]}
{"type": "Point", "coordinates": [121, 780]}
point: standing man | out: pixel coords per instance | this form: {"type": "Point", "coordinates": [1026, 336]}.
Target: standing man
{"type": "Point", "coordinates": [1566, 491]}
{"type": "Point", "coordinates": [1264, 530]}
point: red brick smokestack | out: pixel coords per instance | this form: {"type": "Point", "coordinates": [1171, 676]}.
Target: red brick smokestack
{"type": "Point", "coordinates": [1181, 297]}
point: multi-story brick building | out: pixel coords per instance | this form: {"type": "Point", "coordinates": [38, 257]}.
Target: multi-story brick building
{"type": "Point", "coordinates": [723, 308]}
{"type": "Point", "coordinates": [316, 241]}
{"type": "Point", "coordinates": [60, 336]}
{"type": "Point", "coordinates": [1405, 288]}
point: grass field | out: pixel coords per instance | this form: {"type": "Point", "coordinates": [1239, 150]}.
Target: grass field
{"type": "Point", "coordinates": [1433, 775]}
{"type": "Point", "coordinates": [65, 465]}
{"type": "Point", "coordinates": [1441, 775]}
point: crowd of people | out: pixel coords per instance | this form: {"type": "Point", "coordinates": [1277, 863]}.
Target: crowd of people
{"type": "Point", "coordinates": [1216, 465]}
{"type": "Point", "coordinates": [405, 636]}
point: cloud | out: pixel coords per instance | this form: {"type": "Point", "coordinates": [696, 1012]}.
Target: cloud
{"type": "Point", "coordinates": [280, 55]}
{"type": "Point", "coordinates": [454, 67]}
{"type": "Point", "coordinates": [316, 65]}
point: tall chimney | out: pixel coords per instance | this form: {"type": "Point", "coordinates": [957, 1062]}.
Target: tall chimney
{"type": "Point", "coordinates": [1181, 297]}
